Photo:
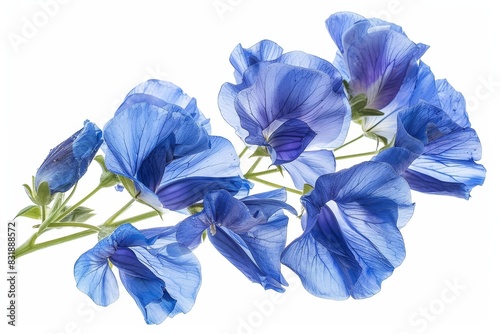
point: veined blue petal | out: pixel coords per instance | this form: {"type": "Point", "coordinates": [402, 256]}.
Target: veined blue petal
{"type": "Point", "coordinates": [190, 230]}
{"type": "Point", "coordinates": [378, 64]}
{"type": "Point", "coordinates": [351, 241]}
{"type": "Point", "coordinates": [281, 91]}
{"type": "Point", "coordinates": [94, 277]}
{"type": "Point", "coordinates": [234, 249]}
{"type": "Point", "coordinates": [162, 276]}
{"type": "Point", "coordinates": [425, 87]}
{"type": "Point", "coordinates": [453, 103]}
{"type": "Point", "coordinates": [338, 23]}
{"type": "Point", "coordinates": [441, 176]}
{"type": "Point", "coordinates": [309, 166]}
{"type": "Point", "coordinates": [187, 180]}
{"type": "Point", "coordinates": [266, 242]}
{"type": "Point", "coordinates": [289, 140]}
{"type": "Point", "coordinates": [267, 203]}
{"type": "Point", "coordinates": [242, 58]}
{"type": "Point", "coordinates": [162, 94]}
{"type": "Point", "coordinates": [313, 263]}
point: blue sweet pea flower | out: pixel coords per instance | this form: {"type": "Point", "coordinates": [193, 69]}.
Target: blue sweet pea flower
{"type": "Point", "coordinates": [159, 140]}
{"type": "Point", "coordinates": [290, 105]}
{"type": "Point", "coordinates": [380, 64]}
{"type": "Point", "coordinates": [162, 276]}
{"type": "Point", "coordinates": [351, 240]}
{"type": "Point", "coordinates": [250, 233]}
{"type": "Point", "coordinates": [434, 153]}
{"type": "Point", "coordinates": [68, 161]}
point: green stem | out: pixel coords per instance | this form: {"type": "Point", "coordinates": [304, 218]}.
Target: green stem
{"type": "Point", "coordinates": [343, 157]}
{"type": "Point", "coordinates": [274, 185]}
{"type": "Point", "coordinates": [270, 171]}
{"type": "Point", "coordinates": [349, 142]}
{"type": "Point", "coordinates": [124, 208]}
{"type": "Point", "coordinates": [73, 224]}
{"type": "Point", "coordinates": [243, 152]}
{"type": "Point", "coordinates": [137, 218]}
{"type": "Point", "coordinates": [252, 168]}
{"type": "Point", "coordinates": [27, 248]}
{"type": "Point", "coordinates": [43, 211]}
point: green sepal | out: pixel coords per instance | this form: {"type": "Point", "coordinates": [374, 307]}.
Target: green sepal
{"type": "Point", "coordinates": [79, 215]}
{"type": "Point", "coordinates": [260, 152]}
{"type": "Point", "coordinates": [108, 179]}
{"type": "Point", "coordinates": [358, 108]}
{"type": "Point", "coordinates": [129, 185]}
{"type": "Point", "coordinates": [195, 208]}
{"type": "Point", "coordinates": [307, 189]}
{"type": "Point", "coordinates": [43, 196]}
{"type": "Point", "coordinates": [280, 169]}
{"type": "Point", "coordinates": [31, 211]}
{"type": "Point", "coordinates": [204, 235]}
{"type": "Point", "coordinates": [106, 231]}
{"type": "Point", "coordinates": [29, 192]}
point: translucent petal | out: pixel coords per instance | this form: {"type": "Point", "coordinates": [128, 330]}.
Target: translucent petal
{"type": "Point", "coordinates": [309, 166]}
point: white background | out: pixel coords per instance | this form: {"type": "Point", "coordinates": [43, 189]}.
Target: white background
{"type": "Point", "coordinates": [82, 57]}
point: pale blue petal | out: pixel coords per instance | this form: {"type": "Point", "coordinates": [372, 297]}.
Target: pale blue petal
{"type": "Point", "coordinates": [338, 23]}
{"type": "Point", "coordinates": [309, 166]}
{"type": "Point", "coordinates": [453, 103]}
{"type": "Point", "coordinates": [242, 58]}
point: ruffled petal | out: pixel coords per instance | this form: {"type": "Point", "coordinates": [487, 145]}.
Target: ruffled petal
{"type": "Point", "coordinates": [242, 58]}
{"type": "Point", "coordinates": [351, 241]}
{"type": "Point", "coordinates": [289, 140]}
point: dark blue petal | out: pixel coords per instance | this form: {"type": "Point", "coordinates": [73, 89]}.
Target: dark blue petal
{"type": "Point", "coordinates": [378, 64]}
{"type": "Point", "coordinates": [190, 230]}
{"type": "Point", "coordinates": [267, 203]}
{"type": "Point", "coordinates": [68, 162]}
{"type": "Point", "coordinates": [234, 249]}
{"type": "Point", "coordinates": [289, 140]}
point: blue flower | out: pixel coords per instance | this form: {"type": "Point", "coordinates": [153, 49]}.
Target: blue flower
{"type": "Point", "coordinates": [289, 104]}
{"type": "Point", "coordinates": [434, 153]}
{"type": "Point", "coordinates": [162, 276]}
{"type": "Point", "coordinates": [159, 140]}
{"type": "Point", "coordinates": [250, 233]}
{"type": "Point", "coordinates": [379, 63]}
{"type": "Point", "coordinates": [68, 161]}
{"type": "Point", "coordinates": [351, 240]}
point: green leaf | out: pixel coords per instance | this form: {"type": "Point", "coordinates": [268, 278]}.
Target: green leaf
{"type": "Point", "coordinates": [80, 215]}
{"type": "Point", "coordinates": [31, 211]}
{"type": "Point", "coordinates": [260, 152]}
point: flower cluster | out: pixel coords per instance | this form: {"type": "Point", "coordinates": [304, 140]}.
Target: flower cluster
{"type": "Point", "coordinates": [293, 111]}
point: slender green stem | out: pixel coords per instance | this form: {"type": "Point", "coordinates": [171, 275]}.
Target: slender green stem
{"type": "Point", "coordinates": [73, 224]}
{"type": "Point", "coordinates": [274, 185]}
{"type": "Point", "coordinates": [252, 168]}
{"type": "Point", "coordinates": [137, 218]}
{"type": "Point", "coordinates": [349, 142]}
{"type": "Point", "coordinates": [27, 248]}
{"type": "Point", "coordinates": [43, 211]}
{"type": "Point", "coordinates": [343, 157]}
{"type": "Point", "coordinates": [270, 171]}
{"type": "Point", "coordinates": [124, 208]}
{"type": "Point", "coordinates": [243, 152]}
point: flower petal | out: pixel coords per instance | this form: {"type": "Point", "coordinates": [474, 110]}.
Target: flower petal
{"type": "Point", "coordinates": [309, 166]}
